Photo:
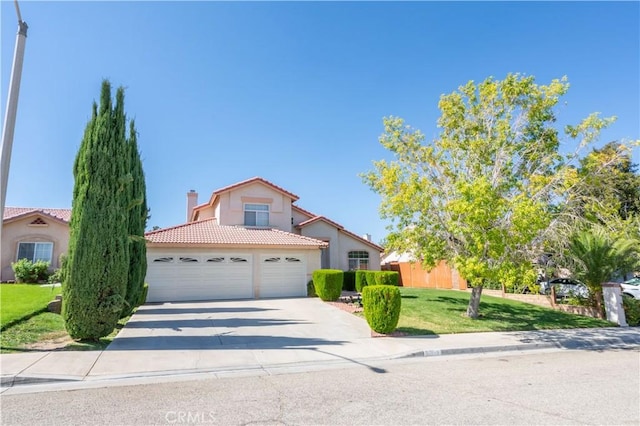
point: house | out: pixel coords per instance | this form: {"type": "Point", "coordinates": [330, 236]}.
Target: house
{"type": "Point", "coordinates": [412, 274]}
{"type": "Point", "coordinates": [34, 234]}
{"type": "Point", "coordinates": [249, 240]}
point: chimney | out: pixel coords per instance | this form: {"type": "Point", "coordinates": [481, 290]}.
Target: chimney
{"type": "Point", "coordinates": [192, 201]}
{"type": "Point", "coordinates": [367, 237]}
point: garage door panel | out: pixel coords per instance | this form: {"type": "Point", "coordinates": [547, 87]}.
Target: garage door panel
{"type": "Point", "coordinates": [199, 277]}
{"type": "Point", "coordinates": [283, 275]}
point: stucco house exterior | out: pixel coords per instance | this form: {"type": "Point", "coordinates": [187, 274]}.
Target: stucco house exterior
{"type": "Point", "coordinates": [249, 240]}
{"type": "Point", "coordinates": [34, 234]}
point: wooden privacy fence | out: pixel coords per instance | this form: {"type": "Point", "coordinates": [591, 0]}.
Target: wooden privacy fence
{"type": "Point", "coordinates": [412, 274]}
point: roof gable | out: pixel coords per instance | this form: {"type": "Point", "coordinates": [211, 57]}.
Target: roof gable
{"type": "Point", "coordinates": [15, 213]}
{"type": "Point", "coordinates": [218, 192]}
{"type": "Point", "coordinates": [340, 228]}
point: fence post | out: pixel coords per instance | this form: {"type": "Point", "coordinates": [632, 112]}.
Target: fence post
{"type": "Point", "coordinates": [613, 304]}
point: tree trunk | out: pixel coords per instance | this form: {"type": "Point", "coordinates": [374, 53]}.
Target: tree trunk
{"type": "Point", "coordinates": [600, 310]}
{"type": "Point", "coordinates": [473, 310]}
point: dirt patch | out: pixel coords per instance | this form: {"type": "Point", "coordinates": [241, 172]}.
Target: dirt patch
{"type": "Point", "coordinates": [51, 344]}
{"type": "Point", "coordinates": [352, 308]}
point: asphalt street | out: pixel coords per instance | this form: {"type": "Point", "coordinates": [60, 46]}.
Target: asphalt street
{"type": "Point", "coordinates": [551, 387]}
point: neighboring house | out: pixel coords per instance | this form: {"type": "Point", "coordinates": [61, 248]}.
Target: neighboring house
{"type": "Point", "coordinates": [34, 234]}
{"type": "Point", "coordinates": [412, 274]}
{"type": "Point", "coordinates": [249, 240]}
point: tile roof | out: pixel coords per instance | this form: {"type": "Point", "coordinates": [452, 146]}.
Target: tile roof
{"type": "Point", "coordinates": [303, 211]}
{"type": "Point", "coordinates": [207, 232]}
{"type": "Point", "coordinates": [16, 212]}
{"type": "Point", "coordinates": [293, 196]}
{"type": "Point", "coordinates": [340, 228]}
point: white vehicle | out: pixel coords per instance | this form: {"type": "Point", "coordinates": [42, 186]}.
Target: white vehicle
{"type": "Point", "coordinates": [631, 288]}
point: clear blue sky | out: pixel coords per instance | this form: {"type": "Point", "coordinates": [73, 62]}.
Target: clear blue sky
{"type": "Point", "coordinates": [292, 92]}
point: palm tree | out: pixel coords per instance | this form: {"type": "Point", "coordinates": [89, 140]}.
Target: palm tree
{"type": "Point", "coordinates": [596, 258]}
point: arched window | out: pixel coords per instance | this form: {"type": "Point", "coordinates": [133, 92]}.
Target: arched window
{"type": "Point", "coordinates": [358, 260]}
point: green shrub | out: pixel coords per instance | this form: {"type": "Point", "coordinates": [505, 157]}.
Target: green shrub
{"type": "Point", "coordinates": [386, 277]}
{"type": "Point", "coordinates": [27, 271]}
{"type": "Point", "coordinates": [58, 274]}
{"type": "Point", "coordinates": [381, 307]}
{"type": "Point", "coordinates": [349, 283]}
{"type": "Point", "coordinates": [143, 294]}
{"type": "Point", "coordinates": [631, 310]}
{"type": "Point", "coordinates": [41, 270]}
{"type": "Point", "coordinates": [328, 283]}
{"type": "Point", "coordinates": [361, 280]}
{"type": "Point", "coordinates": [311, 291]}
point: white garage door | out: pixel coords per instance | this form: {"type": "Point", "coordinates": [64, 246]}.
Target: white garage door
{"type": "Point", "coordinates": [282, 275]}
{"type": "Point", "coordinates": [183, 277]}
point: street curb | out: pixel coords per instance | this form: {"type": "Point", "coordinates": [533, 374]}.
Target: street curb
{"type": "Point", "coordinates": [8, 381]}
{"type": "Point", "coordinates": [607, 344]}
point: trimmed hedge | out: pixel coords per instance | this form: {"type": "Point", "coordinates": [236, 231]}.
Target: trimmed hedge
{"type": "Point", "coordinates": [631, 310]}
{"type": "Point", "coordinates": [328, 283]}
{"type": "Point", "coordinates": [365, 278]}
{"type": "Point", "coordinates": [382, 305]}
{"type": "Point", "coordinates": [386, 278]}
{"type": "Point", "coordinates": [349, 283]}
{"type": "Point", "coordinates": [361, 280]}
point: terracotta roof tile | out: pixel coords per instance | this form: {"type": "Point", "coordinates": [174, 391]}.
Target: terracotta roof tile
{"type": "Point", "coordinates": [16, 212]}
{"type": "Point", "coordinates": [207, 232]}
{"type": "Point", "coordinates": [303, 211]}
{"type": "Point", "coordinates": [293, 196]}
{"type": "Point", "coordinates": [340, 229]}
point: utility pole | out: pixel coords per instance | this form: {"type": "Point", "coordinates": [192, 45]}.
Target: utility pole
{"type": "Point", "coordinates": [12, 108]}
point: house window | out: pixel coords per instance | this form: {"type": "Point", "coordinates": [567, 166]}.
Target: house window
{"type": "Point", "coordinates": [256, 215]}
{"type": "Point", "coordinates": [35, 251]}
{"type": "Point", "coordinates": [358, 260]}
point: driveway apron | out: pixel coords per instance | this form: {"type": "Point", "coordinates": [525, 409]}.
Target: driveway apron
{"type": "Point", "coordinates": [203, 336]}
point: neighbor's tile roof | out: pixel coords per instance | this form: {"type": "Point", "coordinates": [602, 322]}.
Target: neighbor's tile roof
{"type": "Point", "coordinates": [208, 232]}
{"type": "Point", "coordinates": [16, 212]}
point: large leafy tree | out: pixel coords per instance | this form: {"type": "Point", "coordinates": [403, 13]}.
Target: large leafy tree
{"type": "Point", "coordinates": [138, 213]}
{"type": "Point", "coordinates": [479, 195]}
{"type": "Point", "coordinates": [95, 282]}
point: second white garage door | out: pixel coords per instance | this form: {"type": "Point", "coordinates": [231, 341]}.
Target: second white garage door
{"type": "Point", "coordinates": [283, 275]}
{"type": "Point", "coordinates": [185, 277]}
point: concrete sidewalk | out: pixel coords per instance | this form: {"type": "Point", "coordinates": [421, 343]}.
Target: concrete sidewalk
{"type": "Point", "coordinates": [252, 340]}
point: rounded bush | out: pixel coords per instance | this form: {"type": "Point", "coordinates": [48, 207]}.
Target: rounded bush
{"type": "Point", "coordinates": [387, 278]}
{"type": "Point", "coordinates": [328, 283]}
{"type": "Point", "coordinates": [382, 305]}
{"type": "Point", "coordinates": [311, 291]}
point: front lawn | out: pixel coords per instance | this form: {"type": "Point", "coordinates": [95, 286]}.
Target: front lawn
{"type": "Point", "coordinates": [429, 311]}
{"type": "Point", "coordinates": [27, 325]}
{"type": "Point", "coordinates": [20, 301]}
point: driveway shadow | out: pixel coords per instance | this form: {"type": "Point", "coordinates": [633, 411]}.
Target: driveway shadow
{"type": "Point", "coordinates": [210, 322]}
{"type": "Point", "coordinates": [222, 341]}
{"type": "Point", "coordinates": [202, 310]}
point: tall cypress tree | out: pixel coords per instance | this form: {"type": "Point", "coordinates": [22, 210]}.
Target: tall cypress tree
{"type": "Point", "coordinates": [138, 214]}
{"type": "Point", "coordinates": [97, 266]}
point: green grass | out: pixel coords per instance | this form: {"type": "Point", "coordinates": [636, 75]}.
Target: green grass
{"type": "Point", "coordinates": [20, 301]}
{"type": "Point", "coordinates": [428, 311]}
{"type": "Point", "coordinates": [25, 320]}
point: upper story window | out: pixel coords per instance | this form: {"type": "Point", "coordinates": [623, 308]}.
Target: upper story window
{"type": "Point", "coordinates": [35, 251]}
{"type": "Point", "coordinates": [358, 260]}
{"type": "Point", "coordinates": [256, 215]}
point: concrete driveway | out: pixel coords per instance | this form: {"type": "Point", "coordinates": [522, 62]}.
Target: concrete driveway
{"type": "Point", "coordinates": [199, 336]}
